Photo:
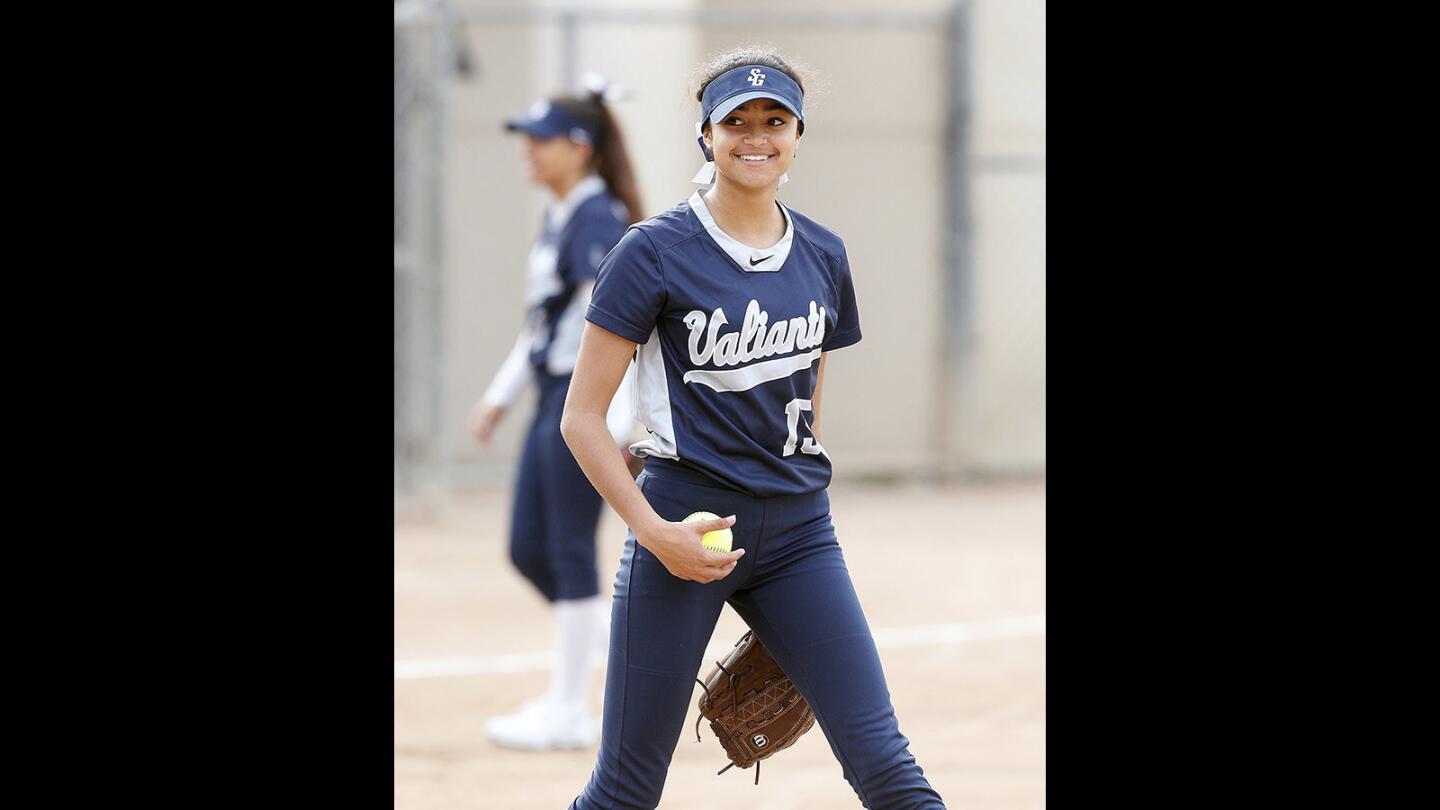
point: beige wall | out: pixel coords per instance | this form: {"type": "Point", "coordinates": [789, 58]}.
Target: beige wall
{"type": "Point", "coordinates": [871, 168]}
{"type": "Point", "coordinates": [1000, 407]}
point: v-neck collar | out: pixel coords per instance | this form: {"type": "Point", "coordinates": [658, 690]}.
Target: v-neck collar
{"type": "Point", "coordinates": [749, 259]}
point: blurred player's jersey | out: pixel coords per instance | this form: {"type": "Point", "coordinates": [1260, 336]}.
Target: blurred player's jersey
{"type": "Point", "coordinates": [575, 235]}
{"type": "Point", "coordinates": [730, 340]}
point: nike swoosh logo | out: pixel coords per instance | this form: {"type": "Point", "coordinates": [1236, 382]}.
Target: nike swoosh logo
{"type": "Point", "coordinates": [754, 262]}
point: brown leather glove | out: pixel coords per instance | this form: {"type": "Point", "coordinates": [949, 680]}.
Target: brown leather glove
{"type": "Point", "coordinates": [752, 705]}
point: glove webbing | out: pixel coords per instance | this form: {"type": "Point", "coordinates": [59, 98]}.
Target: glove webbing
{"type": "Point", "coordinates": [734, 701]}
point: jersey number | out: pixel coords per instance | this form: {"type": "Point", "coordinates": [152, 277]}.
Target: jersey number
{"type": "Point", "coordinates": [792, 420]}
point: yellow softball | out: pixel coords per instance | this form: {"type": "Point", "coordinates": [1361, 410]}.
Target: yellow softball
{"type": "Point", "coordinates": [715, 541]}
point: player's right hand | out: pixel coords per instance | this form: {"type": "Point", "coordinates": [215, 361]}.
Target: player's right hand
{"type": "Point", "coordinates": [677, 547]}
{"type": "Point", "coordinates": [483, 419]}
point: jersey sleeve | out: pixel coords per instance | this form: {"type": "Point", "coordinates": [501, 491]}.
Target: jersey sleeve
{"type": "Point", "coordinates": [847, 317]}
{"type": "Point", "coordinates": [629, 291]}
{"type": "Point", "coordinates": [514, 373]}
{"type": "Point", "coordinates": [586, 246]}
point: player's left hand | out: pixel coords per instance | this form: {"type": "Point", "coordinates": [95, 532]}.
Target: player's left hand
{"type": "Point", "coordinates": [483, 419]}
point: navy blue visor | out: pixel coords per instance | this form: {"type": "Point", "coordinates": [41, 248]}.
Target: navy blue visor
{"type": "Point", "coordinates": [735, 87]}
{"type": "Point", "coordinates": [544, 120]}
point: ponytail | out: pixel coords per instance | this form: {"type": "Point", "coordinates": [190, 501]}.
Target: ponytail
{"type": "Point", "coordinates": [610, 160]}
{"type": "Point", "coordinates": [613, 164]}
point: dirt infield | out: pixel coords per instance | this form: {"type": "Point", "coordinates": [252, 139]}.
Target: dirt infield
{"type": "Point", "coordinates": [933, 566]}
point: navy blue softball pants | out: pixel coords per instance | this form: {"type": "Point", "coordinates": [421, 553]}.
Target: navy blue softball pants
{"type": "Point", "coordinates": [556, 510]}
{"type": "Point", "coordinates": [793, 589]}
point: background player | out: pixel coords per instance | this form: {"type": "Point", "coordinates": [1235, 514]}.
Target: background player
{"type": "Point", "coordinates": [732, 347]}
{"type": "Point", "coordinates": [575, 149]}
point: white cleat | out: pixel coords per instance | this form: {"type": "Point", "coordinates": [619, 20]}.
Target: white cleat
{"type": "Point", "coordinates": [543, 726]}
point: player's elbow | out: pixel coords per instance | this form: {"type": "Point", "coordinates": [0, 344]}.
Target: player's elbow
{"type": "Point", "coordinates": [570, 420]}
{"type": "Point", "coordinates": [567, 426]}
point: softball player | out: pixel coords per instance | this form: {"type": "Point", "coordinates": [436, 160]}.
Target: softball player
{"type": "Point", "coordinates": [575, 150]}
{"type": "Point", "coordinates": [732, 343]}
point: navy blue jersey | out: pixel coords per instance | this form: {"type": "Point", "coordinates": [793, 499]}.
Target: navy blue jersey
{"type": "Point", "coordinates": [575, 235]}
{"type": "Point", "coordinates": [730, 338]}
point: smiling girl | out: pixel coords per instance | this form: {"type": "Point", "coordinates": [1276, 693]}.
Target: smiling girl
{"type": "Point", "coordinates": [730, 302]}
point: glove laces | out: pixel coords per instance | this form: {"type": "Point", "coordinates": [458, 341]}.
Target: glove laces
{"type": "Point", "coordinates": [734, 701]}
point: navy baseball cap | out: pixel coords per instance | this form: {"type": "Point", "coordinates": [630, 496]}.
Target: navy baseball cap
{"type": "Point", "coordinates": [735, 87]}
{"type": "Point", "coordinates": [545, 120]}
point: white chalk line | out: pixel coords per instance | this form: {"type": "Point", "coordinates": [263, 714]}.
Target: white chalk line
{"type": "Point", "coordinates": [924, 635]}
